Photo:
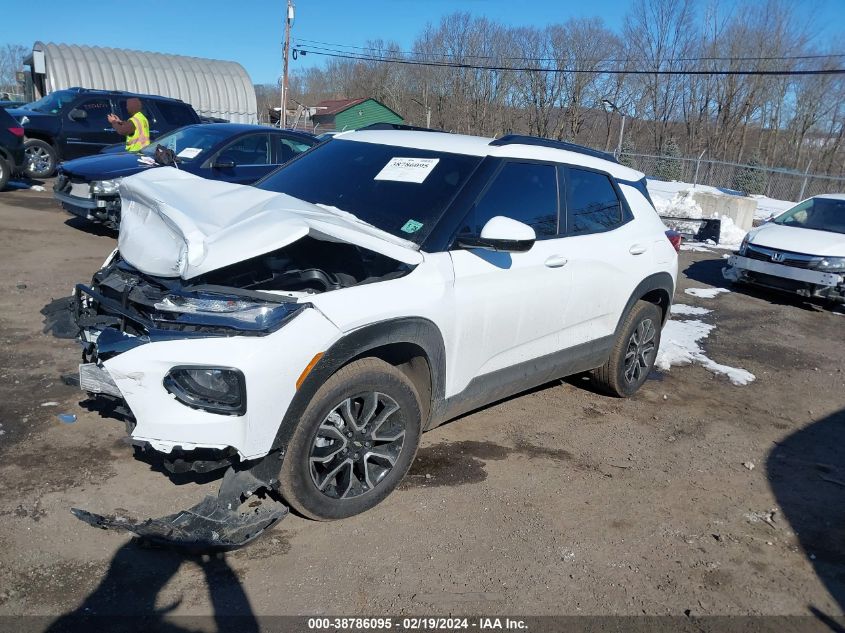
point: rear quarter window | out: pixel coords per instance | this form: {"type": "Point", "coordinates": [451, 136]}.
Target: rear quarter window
{"type": "Point", "coordinates": [592, 203]}
{"type": "Point", "coordinates": [176, 114]}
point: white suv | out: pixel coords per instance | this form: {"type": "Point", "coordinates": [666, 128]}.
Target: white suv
{"type": "Point", "coordinates": [304, 333]}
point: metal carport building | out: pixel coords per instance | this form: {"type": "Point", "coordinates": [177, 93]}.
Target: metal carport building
{"type": "Point", "coordinates": [215, 88]}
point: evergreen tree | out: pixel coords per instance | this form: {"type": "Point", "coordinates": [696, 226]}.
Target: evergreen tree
{"type": "Point", "coordinates": [749, 180]}
{"type": "Point", "coordinates": [668, 166]}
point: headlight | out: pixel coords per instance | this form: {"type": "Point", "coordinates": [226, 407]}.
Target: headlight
{"type": "Point", "coordinates": [215, 389]}
{"type": "Point", "coordinates": [234, 312]}
{"type": "Point", "coordinates": [105, 186]}
{"type": "Point", "coordinates": [744, 244]}
{"type": "Point", "coordinates": [832, 264]}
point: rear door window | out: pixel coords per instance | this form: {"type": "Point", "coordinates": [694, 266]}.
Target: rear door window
{"type": "Point", "coordinates": [526, 192]}
{"type": "Point", "coordinates": [96, 113]}
{"type": "Point", "coordinates": [592, 203]}
{"type": "Point", "coordinates": [287, 148]}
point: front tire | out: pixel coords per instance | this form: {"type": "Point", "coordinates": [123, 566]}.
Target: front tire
{"type": "Point", "coordinates": [634, 352]}
{"type": "Point", "coordinates": [41, 159]}
{"type": "Point", "coordinates": [354, 442]}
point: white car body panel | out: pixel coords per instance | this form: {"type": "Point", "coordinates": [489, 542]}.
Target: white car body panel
{"type": "Point", "coordinates": [271, 367]}
{"type": "Point", "coordinates": [787, 272]}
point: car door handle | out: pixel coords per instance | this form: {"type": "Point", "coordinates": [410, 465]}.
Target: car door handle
{"type": "Point", "coordinates": [108, 129]}
{"type": "Point", "coordinates": [556, 261]}
{"type": "Point", "coordinates": [638, 249]}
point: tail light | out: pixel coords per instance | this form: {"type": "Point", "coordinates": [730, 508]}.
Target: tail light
{"type": "Point", "coordinates": [17, 131]}
{"type": "Point", "coordinates": [675, 239]}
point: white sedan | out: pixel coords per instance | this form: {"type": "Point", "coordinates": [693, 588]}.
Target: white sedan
{"type": "Point", "coordinates": [800, 251]}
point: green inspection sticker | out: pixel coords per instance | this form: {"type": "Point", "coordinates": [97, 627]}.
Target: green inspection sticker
{"type": "Point", "coordinates": [412, 226]}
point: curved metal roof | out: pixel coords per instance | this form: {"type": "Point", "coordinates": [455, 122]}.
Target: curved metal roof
{"type": "Point", "coordinates": [215, 88]}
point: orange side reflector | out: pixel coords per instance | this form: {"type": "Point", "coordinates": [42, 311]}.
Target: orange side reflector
{"type": "Point", "coordinates": [308, 369]}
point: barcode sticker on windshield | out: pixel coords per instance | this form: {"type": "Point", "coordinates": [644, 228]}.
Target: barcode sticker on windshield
{"type": "Point", "coordinates": [189, 152]}
{"type": "Point", "coordinates": [407, 169]}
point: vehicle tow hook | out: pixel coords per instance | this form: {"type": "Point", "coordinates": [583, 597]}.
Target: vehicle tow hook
{"type": "Point", "coordinates": [214, 524]}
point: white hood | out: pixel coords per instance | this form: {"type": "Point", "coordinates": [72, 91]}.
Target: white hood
{"type": "Point", "coordinates": [798, 240]}
{"type": "Point", "coordinates": [176, 224]}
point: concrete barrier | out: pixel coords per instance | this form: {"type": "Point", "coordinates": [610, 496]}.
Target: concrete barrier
{"type": "Point", "coordinates": [740, 209]}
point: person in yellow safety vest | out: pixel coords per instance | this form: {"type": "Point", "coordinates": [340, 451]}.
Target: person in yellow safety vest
{"type": "Point", "coordinates": [136, 129]}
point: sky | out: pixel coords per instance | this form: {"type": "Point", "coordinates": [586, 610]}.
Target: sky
{"type": "Point", "coordinates": [251, 31]}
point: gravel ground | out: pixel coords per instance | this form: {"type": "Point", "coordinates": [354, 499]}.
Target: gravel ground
{"type": "Point", "coordinates": [561, 501]}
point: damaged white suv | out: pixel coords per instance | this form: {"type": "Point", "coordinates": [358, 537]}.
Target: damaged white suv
{"type": "Point", "coordinates": [304, 333]}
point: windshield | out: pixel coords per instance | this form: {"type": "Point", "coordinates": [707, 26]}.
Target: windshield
{"type": "Point", "coordinates": [820, 214]}
{"type": "Point", "coordinates": [189, 142]}
{"type": "Point", "coordinates": [400, 190]}
{"type": "Point", "coordinates": [53, 102]}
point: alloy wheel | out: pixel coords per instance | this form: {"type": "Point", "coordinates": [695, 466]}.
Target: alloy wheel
{"type": "Point", "coordinates": [641, 351]}
{"type": "Point", "coordinates": [38, 160]}
{"type": "Point", "coordinates": [357, 445]}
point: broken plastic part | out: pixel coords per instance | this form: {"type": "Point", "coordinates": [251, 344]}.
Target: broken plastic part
{"type": "Point", "coordinates": [215, 523]}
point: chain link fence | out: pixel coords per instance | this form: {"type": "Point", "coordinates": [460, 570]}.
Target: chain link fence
{"type": "Point", "coordinates": [783, 184]}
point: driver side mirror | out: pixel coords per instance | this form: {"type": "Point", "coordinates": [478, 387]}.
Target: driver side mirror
{"type": "Point", "coordinates": [502, 234]}
{"type": "Point", "coordinates": [223, 163]}
{"type": "Point", "coordinates": [78, 115]}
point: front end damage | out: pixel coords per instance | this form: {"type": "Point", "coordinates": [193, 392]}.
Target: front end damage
{"type": "Point", "coordinates": [787, 272]}
{"type": "Point", "coordinates": [118, 314]}
{"type": "Point", "coordinates": [199, 328]}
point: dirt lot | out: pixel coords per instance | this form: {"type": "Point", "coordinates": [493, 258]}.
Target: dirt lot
{"type": "Point", "coordinates": [561, 501]}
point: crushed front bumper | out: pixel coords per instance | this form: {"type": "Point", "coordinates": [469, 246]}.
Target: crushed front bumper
{"type": "Point", "coordinates": [801, 281]}
{"type": "Point", "coordinates": [76, 198]}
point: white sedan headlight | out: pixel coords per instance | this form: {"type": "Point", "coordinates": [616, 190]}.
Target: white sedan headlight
{"type": "Point", "coordinates": [832, 264]}
{"type": "Point", "coordinates": [105, 186]}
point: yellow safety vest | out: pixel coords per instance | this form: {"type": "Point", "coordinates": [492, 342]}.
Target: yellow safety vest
{"type": "Point", "coordinates": [140, 138]}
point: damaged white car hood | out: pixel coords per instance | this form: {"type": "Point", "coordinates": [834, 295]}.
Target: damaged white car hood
{"type": "Point", "coordinates": [175, 224]}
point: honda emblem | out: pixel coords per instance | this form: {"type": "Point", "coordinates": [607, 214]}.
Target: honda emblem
{"type": "Point", "coordinates": [777, 257]}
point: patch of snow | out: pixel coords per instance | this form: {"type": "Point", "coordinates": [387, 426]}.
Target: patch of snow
{"type": "Point", "coordinates": [770, 207]}
{"type": "Point", "coordinates": [705, 293]}
{"type": "Point", "coordinates": [695, 247]}
{"type": "Point", "coordinates": [36, 188]}
{"type": "Point", "coordinates": [730, 235]}
{"type": "Point", "coordinates": [679, 345]}
{"type": "Point", "coordinates": [50, 404]}
{"type": "Point", "coordinates": [683, 309]}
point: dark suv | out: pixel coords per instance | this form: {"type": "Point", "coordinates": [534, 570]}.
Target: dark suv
{"type": "Point", "coordinates": [73, 123]}
{"type": "Point", "coordinates": [11, 147]}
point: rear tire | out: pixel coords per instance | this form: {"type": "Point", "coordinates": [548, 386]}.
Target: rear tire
{"type": "Point", "coordinates": [354, 442]}
{"type": "Point", "coordinates": [41, 159]}
{"type": "Point", "coordinates": [634, 352]}
{"type": "Point", "coordinates": [5, 173]}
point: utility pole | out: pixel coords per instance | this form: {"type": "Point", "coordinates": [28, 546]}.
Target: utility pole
{"type": "Point", "coordinates": [288, 22]}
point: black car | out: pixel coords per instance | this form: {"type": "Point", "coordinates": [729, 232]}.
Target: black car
{"type": "Point", "coordinates": [11, 147]}
{"type": "Point", "coordinates": [231, 152]}
{"type": "Point", "coordinates": [72, 123]}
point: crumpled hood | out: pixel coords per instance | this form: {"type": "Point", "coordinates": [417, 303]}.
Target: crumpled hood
{"type": "Point", "coordinates": [798, 240]}
{"type": "Point", "coordinates": [175, 224]}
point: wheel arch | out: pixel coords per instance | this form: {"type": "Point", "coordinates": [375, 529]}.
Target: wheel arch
{"type": "Point", "coordinates": [658, 289]}
{"type": "Point", "coordinates": [412, 344]}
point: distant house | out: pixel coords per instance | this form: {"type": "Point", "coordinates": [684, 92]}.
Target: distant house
{"type": "Point", "coordinates": [351, 114]}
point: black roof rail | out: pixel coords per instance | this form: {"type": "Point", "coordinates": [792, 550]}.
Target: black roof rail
{"type": "Point", "coordinates": [396, 126]}
{"type": "Point", "coordinates": [523, 139]}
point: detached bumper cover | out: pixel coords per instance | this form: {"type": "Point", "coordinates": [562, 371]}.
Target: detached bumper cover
{"type": "Point", "coordinates": [815, 277]}
{"type": "Point", "coordinates": [215, 523]}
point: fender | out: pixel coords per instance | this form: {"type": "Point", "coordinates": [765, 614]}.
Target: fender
{"type": "Point", "coordinates": [657, 281]}
{"type": "Point", "coordinates": [413, 330]}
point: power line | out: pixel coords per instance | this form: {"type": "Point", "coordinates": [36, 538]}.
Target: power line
{"type": "Point", "coordinates": [415, 62]}
{"type": "Point", "coordinates": [318, 45]}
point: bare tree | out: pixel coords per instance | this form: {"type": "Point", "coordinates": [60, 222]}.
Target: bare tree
{"type": "Point", "coordinates": [11, 61]}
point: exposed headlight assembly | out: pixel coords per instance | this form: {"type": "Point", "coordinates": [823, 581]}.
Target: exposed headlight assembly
{"type": "Point", "coordinates": [215, 389]}
{"type": "Point", "coordinates": [832, 264]}
{"type": "Point", "coordinates": [744, 244]}
{"type": "Point", "coordinates": [105, 186]}
{"type": "Point", "coordinates": [234, 312]}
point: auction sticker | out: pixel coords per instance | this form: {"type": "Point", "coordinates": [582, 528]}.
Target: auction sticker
{"type": "Point", "coordinates": [407, 169]}
{"type": "Point", "coordinates": [189, 152]}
